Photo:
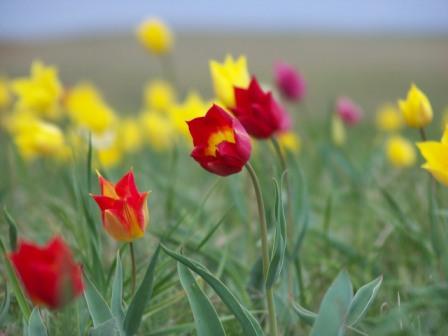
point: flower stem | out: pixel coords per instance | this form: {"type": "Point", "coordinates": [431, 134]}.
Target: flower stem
{"type": "Point", "coordinates": [133, 272]}
{"type": "Point", "coordinates": [422, 133]}
{"type": "Point", "coordinates": [264, 248]}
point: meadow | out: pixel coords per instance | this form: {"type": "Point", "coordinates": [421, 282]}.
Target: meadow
{"type": "Point", "coordinates": [356, 232]}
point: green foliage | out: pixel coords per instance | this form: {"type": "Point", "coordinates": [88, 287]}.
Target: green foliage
{"type": "Point", "coordinates": [205, 316]}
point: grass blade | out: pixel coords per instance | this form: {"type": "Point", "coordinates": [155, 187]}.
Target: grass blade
{"type": "Point", "coordinates": [140, 300]}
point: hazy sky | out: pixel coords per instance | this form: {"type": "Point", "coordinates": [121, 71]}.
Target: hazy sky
{"type": "Point", "coordinates": [58, 18]}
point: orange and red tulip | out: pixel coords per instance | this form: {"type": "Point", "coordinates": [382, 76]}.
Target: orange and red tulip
{"type": "Point", "coordinates": [124, 209]}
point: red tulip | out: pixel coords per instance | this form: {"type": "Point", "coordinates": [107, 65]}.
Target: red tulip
{"type": "Point", "coordinates": [221, 144]}
{"type": "Point", "coordinates": [49, 274]}
{"type": "Point", "coordinates": [348, 111]}
{"type": "Point", "coordinates": [289, 81]}
{"type": "Point", "coordinates": [259, 112]}
{"type": "Point", "coordinates": [124, 210]}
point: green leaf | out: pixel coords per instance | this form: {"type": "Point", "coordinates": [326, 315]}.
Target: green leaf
{"type": "Point", "coordinates": [278, 252]}
{"type": "Point", "coordinates": [89, 164]}
{"type": "Point", "coordinates": [362, 300]}
{"type": "Point", "coordinates": [36, 326]}
{"type": "Point", "coordinates": [16, 287]}
{"type": "Point", "coordinates": [205, 316]}
{"type": "Point", "coordinates": [117, 290]}
{"type": "Point", "coordinates": [334, 308]}
{"type": "Point", "coordinates": [97, 306]}
{"type": "Point", "coordinates": [5, 305]}
{"type": "Point", "coordinates": [12, 229]}
{"type": "Point", "coordinates": [248, 322]}
{"type": "Point", "coordinates": [306, 315]}
{"type": "Point", "coordinates": [108, 328]}
{"type": "Point", "coordinates": [140, 300]}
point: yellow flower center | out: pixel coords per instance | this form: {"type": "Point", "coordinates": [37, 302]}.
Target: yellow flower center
{"type": "Point", "coordinates": [224, 134]}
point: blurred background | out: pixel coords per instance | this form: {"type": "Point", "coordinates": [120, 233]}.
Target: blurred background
{"type": "Point", "coordinates": [370, 50]}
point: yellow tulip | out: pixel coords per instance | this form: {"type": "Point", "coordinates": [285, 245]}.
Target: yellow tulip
{"type": "Point", "coordinates": [5, 97]}
{"type": "Point", "coordinates": [338, 133]}
{"type": "Point", "coordinates": [158, 130]}
{"type": "Point", "coordinates": [436, 156]}
{"type": "Point", "coordinates": [289, 141]}
{"type": "Point", "coordinates": [38, 138]}
{"type": "Point", "coordinates": [40, 92]}
{"type": "Point", "coordinates": [155, 35]}
{"type": "Point", "coordinates": [111, 156]}
{"type": "Point", "coordinates": [226, 76]}
{"type": "Point", "coordinates": [389, 118]}
{"type": "Point", "coordinates": [88, 110]}
{"type": "Point", "coordinates": [193, 106]}
{"type": "Point", "coordinates": [159, 95]}
{"type": "Point", "coordinates": [129, 133]}
{"type": "Point", "coordinates": [400, 152]}
{"type": "Point", "coordinates": [416, 109]}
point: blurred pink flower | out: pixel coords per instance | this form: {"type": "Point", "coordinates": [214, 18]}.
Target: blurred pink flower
{"type": "Point", "coordinates": [348, 111]}
{"type": "Point", "coordinates": [290, 82]}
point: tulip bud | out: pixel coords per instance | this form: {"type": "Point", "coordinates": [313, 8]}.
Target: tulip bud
{"type": "Point", "coordinates": [389, 118]}
{"type": "Point", "coordinates": [289, 81]}
{"type": "Point", "coordinates": [349, 112]}
{"type": "Point", "coordinates": [124, 210]}
{"type": "Point", "coordinates": [156, 36]}
{"type": "Point", "coordinates": [221, 144]}
{"type": "Point", "coordinates": [49, 274]}
{"type": "Point", "coordinates": [416, 109]}
{"type": "Point", "coordinates": [259, 112]}
{"type": "Point", "coordinates": [400, 152]}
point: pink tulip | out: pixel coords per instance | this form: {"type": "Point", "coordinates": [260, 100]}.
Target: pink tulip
{"type": "Point", "coordinates": [289, 81]}
{"type": "Point", "coordinates": [348, 111]}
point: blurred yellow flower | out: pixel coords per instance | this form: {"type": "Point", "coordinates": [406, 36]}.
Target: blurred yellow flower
{"type": "Point", "coordinates": [40, 92]}
{"type": "Point", "coordinates": [389, 118]}
{"type": "Point", "coordinates": [155, 35]}
{"type": "Point", "coordinates": [130, 135]}
{"type": "Point", "coordinates": [416, 109]}
{"type": "Point", "coordinates": [338, 133]}
{"type": "Point", "coordinates": [193, 106]}
{"type": "Point", "coordinates": [5, 97]}
{"type": "Point", "coordinates": [400, 152]}
{"type": "Point", "coordinates": [110, 156]}
{"type": "Point", "coordinates": [289, 141]}
{"type": "Point", "coordinates": [436, 156]}
{"type": "Point", "coordinates": [87, 109]}
{"type": "Point", "coordinates": [226, 76]}
{"type": "Point", "coordinates": [159, 95]}
{"type": "Point", "coordinates": [158, 130]}
{"type": "Point", "coordinates": [38, 138]}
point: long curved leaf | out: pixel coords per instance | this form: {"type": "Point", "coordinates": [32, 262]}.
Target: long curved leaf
{"type": "Point", "coordinates": [16, 287]}
{"type": "Point", "coordinates": [334, 308]}
{"type": "Point", "coordinates": [250, 325]}
{"type": "Point", "coordinates": [362, 300]}
{"type": "Point", "coordinates": [279, 249]}
{"type": "Point", "coordinates": [140, 300]}
{"type": "Point", "coordinates": [97, 306]}
{"type": "Point", "coordinates": [36, 326]}
{"type": "Point", "coordinates": [205, 316]}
